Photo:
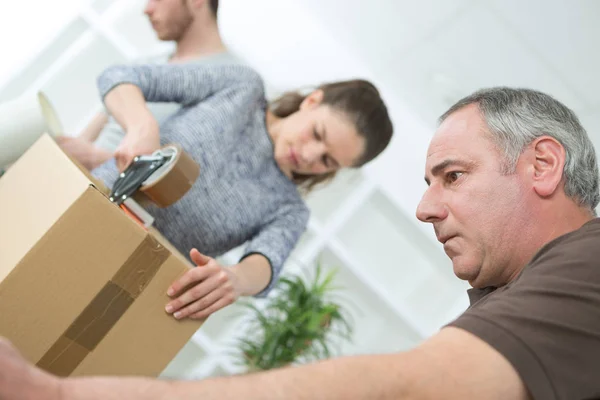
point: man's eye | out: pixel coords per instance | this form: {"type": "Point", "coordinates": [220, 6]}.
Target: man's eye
{"type": "Point", "coordinates": [453, 176]}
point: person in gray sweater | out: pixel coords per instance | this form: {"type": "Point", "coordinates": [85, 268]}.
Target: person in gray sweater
{"type": "Point", "coordinates": [193, 28]}
{"type": "Point", "coordinates": [256, 160]}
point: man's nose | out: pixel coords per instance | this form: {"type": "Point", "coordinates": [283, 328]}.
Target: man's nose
{"type": "Point", "coordinates": [149, 7]}
{"type": "Point", "coordinates": [431, 208]}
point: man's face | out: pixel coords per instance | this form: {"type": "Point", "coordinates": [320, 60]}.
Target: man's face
{"type": "Point", "coordinates": [474, 207]}
{"type": "Point", "coordinates": [170, 19]}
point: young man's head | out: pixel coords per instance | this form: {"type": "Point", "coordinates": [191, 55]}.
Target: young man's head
{"type": "Point", "coordinates": [171, 19]}
{"type": "Point", "coordinates": [505, 168]}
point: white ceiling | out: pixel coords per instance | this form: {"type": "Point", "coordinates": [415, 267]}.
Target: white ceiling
{"type": "Point", "coordinates": [434, 51]}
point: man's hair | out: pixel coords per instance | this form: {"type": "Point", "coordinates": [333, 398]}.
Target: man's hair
{"type": "Point", "coordinates": [214, 7]}
{"type": "Point", "coordinates": [516, 117]}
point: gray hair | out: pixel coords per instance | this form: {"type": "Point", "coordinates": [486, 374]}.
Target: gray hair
{"type": "Point", "coordinates": [516, 117]}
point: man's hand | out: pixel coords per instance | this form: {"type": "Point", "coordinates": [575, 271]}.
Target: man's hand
{"type": "Point", "coordinates": [142, 139]}
{"type": "Point", "coordinates": [19, 380]}
{"type": "Point", "coordinates": [83, 151]}
{"type": "Point", "coordinates": [203, 290]}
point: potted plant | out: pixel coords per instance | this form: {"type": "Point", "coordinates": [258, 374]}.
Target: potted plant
{"type": "Point", "coordinates": [302, 322]}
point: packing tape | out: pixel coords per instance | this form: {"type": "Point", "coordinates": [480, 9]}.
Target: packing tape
{"type": "Point", "coordinates": [173, 180]}
{"type": "Point", "coordinates": [105, 309]}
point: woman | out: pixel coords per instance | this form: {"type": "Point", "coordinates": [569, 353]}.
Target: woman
{"type": "Point", "coordinates": [253, 158]}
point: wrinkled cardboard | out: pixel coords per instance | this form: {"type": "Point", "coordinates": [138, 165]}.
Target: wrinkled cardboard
{"type": "Point", "coordinates": [82, 285]}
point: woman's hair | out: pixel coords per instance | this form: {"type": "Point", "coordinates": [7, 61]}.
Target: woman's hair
{"type": "Point", "coordinates": [358, 100]}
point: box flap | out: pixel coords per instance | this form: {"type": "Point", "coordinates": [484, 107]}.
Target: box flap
{"type": "Point", "coordinates": [35, 191]}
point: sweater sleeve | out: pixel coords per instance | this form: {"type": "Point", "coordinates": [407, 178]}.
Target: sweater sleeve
{"type": "Point", "coordinates": [185, 84]}
{"type": "Point", "coordinates": [277, 239]}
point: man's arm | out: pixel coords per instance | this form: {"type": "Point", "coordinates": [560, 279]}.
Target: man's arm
{"type": "Point", "coordinates": [95, 126]}
{"type": "Point", "coordinates": [452, 365]}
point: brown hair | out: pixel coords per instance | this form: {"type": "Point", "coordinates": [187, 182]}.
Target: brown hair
{"type": "Point", "coordinates": [361, 102]}
{"type": "Point", "coordinates": [214, 7]}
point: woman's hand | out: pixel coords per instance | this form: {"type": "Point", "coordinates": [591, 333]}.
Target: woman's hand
{"type": "Point", "coordinates": [141, 139]}
{"type": "Point", "coordinates": [126, 103]}
{"type": "Point", "coordinates": [203, 290]}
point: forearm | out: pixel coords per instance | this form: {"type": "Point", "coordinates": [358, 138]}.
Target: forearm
{"type": "Point", "coordinates": [93, 129]}
{"type": "Point", "coordinates": [110, 388]}
{"type": "Point", "coordinates": [254, 274]}
{"type": "Point", "coordinates": [351, 378]}
{"type": "Point", "coordinates": [184, 84]}
{"type": "Point", "coordinates": [127, 105]}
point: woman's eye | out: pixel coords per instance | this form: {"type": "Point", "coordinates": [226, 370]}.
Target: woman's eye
{"type": "Point", "coordinates": [326, 161]}
{"type": "Point", "coordinates": [316, 134]}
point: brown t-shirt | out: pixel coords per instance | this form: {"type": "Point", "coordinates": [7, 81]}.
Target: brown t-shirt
{"type": "Point", "coordinates": [547, 321]}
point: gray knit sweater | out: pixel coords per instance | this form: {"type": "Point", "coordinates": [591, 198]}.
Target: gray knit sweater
{"type": "Point", "coordinates": [241, 194]}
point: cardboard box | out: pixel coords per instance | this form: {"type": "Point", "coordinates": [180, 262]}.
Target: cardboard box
{"type": "Point", "coordinates": [82, 286]}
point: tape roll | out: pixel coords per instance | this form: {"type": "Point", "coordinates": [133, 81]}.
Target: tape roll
{"type": "Point", "coordinates": [173, 179]}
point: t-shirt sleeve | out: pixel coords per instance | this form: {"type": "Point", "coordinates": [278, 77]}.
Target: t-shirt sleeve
{"type": "Point", "coordinates": [547, 322]}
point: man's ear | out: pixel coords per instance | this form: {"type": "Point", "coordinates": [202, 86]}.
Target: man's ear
{"type": "Point", "coordinates": [312, 100]}
{"type": "Point", "coordinates": [548, 165]}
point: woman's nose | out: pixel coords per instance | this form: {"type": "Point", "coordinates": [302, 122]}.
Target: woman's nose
{"type": "Point", "coordinates": [313, 152]}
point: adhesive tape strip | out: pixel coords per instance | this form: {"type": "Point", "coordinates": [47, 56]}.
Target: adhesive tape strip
{"type": "Point", "coordinates": [173, 179]}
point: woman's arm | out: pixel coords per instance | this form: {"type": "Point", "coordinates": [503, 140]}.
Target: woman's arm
{"type": "Point", "coordinates": [125, 90]}
{"type": "Point", "coordinates": [277, 238]}
{"type": "Point", "coordinates": [127, 105]}
{"type": "Point", "coordinates": [210, 287]}
{"type": "Point", "coordinates": [185, 84]}
{"type": "Point", "coordinates": [253, 273]}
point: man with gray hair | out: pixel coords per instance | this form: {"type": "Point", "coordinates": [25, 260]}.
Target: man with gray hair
{"type": "Point", "coordinates": [513, 184]}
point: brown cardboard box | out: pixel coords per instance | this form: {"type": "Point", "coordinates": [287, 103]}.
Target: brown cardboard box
{"type": "Point", "coordinates": [82, 286]}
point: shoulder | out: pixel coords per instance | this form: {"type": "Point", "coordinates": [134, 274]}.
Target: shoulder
{"type": "Point", "coordinates": [555, 300]}
{"type": "Point", "coordinates": [225, 57]}
{"type": "Point", "coordinates": [159, 57]}
{"type": "Point", "coordinates": [250, 75]}
{"type": "Point", "coordinates": [572, 257]}
{"type": "Point", "coordinates": [577, 247]}
{"type": "Point", "coordinates": [236, 76]}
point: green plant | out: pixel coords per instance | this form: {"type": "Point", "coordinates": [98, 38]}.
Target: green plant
{"type": "Point", "coordinates": [301, 323]}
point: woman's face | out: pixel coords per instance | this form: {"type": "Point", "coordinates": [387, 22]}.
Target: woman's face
{"type": "Point", "coordinates": [316, 140]}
